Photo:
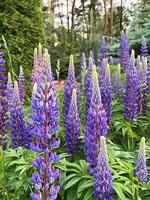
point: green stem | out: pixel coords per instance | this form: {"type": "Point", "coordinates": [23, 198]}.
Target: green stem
{"type": "Point", "coordinates": [2, 167]}
{"type": "Point", "coordinates": [10, 60]}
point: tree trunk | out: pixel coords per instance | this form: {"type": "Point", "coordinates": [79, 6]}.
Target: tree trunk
{"type": "Point", "coordinates": [72, 18]}
{"type": "Point", "coordinates": [111, 17]}
{"type": "Point", "coordinates": [68, 17]}
{"type": "Point", "coordinates": [105, 17]}
{"type": "Point", "coordinates": [121, 15]}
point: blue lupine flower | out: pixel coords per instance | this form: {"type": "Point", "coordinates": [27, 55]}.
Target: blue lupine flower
{"type": "Point", "coordinates": [3, 103]}
{"type": "Point", "coordinates": [73, 126]}
{"type": "Point", "coordinates": [132, 93]}
{"type": "Point", "coordinates": [43, 120]}
{"type": "Point", "coordinates": [143, 87]}
{"type": "Point", "coordinates": [19, 133]}
{"type": "Point", "coordinates": [21, 85]}
{"type": "Point", "coordinates": [141, 169]}
{"type": "Point", "coordinates": [9, 91]}
{"type": "Point", "coordinates": [69, 86]}
{"type": "Point", "coordinates": [118, 87]}
{"type": "Point", "coordinates": [103, 50]}
{"type": "Point", "coordinates": [88, 91]}
{"type": "Point", "coordinates": [144, 50]}
{"type": "Point", "coordinates": [124, 57]}
{"type": "Point", "coordinates": [83, 72]}
{"type": "Point", "coordinates": [102, 175]}
{"type": "Point", "coordinates": [96, 124]}
{"type": "Point", "coordinates": [106, 94]}
{"type": "Point", "coordinates": [37, 65]}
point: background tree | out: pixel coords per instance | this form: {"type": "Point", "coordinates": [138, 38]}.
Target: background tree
{"type": "Point", "coordinates": [22, 26]}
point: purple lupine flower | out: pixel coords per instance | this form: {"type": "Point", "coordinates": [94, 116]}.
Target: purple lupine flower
{"type": "Point", "coordinates": [3, 103]}
{"type": "Point", "coordinates": [19, 133]}
{"type": "Point", "coordinates": [92, 56]}
{"type": "Point", "coordinates": [38, 63]}
{"type": "Point", "coordinates": [73, 126]}
{"type": "Point", "coordinates": [111, 61]}
{"type": "Point", "coordinates": [124, 57]}
{"type": "Point", "coordinates": [143, 87]}
{"type": "Point", "coordinates": [69, 86]}
{"type": "Point", "coordinates": [118, 87]}
{"type": "Point", "coordinates": [9, 90]}
{"type": "Point", "coordinates": [102, 71]}
{"type": "Point", "coordinates": [141, 169]}
{"type": "Point", "coordinates": [96, 125]}
{"type": "Point", "coordinates": [103, 50]}
{"type": "Point", "coordinates": [43, 118]}
{"type": "Point", "coordinates": [148, 78]}
{"type": "Point", "coordinates": [21, 85]}
{"type": "Point", "coordinates": [83, 72]}
{"type": "Point", "coordinates": [106, 94]}
{"type": "Point", "coordinates": [143, 50]}
{"type": "Point", "coordinates": [88, 91]}
{"type": "Point", "coordinates": [132, 93]}
{"type": "Point", "coordinates": [102, 175]}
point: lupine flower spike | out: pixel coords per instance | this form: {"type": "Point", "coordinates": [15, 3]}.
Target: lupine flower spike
{"type": "Point", "coordinates": [118, 87]}
{"type": "Point", "coordinates": [132, 93]}
{"type": "Point", "coordinates": [83, 72]}
{"type": "Point", "coordinates": [19, 134]}
{"type": "Point", "coordinates": [102, 71]}
{"type": "Point", "coordinates": [73, 126]}
{"type": "Point", "coordinates": [3, 103]}
{"type": "Point", "coordinates": [124, 57]}
{"type": "Point", "coordinates": [38, 64]}
{"type": "Point", "coordinates": [96, 125]}
{"type": "Point", "coordinates": [102, 175]}
{"type": "Point", "coordinates": [21, 85]}
{"type": "Point", "coordinates": [106, 94]}
{"type": "Point", "coordinates": [143, 50]}
{"type": "Point", "coordinates": [44, 122]}
{"type": "Point", "coordinates": [143, 87]}
{"type": "Point", "coordinates": [9, 90]}
{"type": "Point", "coordinates": [88, 91]}
{"type": "Point", "coordinates": [103, 50]}
{"type": "Point", "coordinates": [69, 86]}
{"type": "Point", "coordinates": [92, 56]}
{"type": "Point", "coordinates": [141, 169]}
{"type": "Point", "coordinates": [111, 61]}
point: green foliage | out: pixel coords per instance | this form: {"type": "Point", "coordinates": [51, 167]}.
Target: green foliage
{"type": "Point", "coordinates": [23, 28]}
{"type": "Point", "coordinates": [139, 25]}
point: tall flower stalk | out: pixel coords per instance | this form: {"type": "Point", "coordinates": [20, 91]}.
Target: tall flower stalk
{"type": "Point", "coordinates": [141, 169]}
{"type": "Point", "coordinates": [102, 71]}
{"type": "Point", "coordinates": [102, 175]}
{"type": "Point", "coordinates": [88, 91]}
{"type": "Point", "coordinates": [124, 57]}
{"type": "Point", "coordinates": [96, 125]}
{"type": "Point", "coordinates": [73, 126]}
{"type": "Point", "coordinates": [103, 50]}
{"type": "Point", "coordinates": [44, 122]}
{"type": "Point", "coordinates": [69, 86]}
{"type": "Point", "coordinates": [106, 94]}
{"type": "Point", "coordinates": [3, 103]}
{"type": "Point", "coordinates": [9, 90]}
{"type": "Point", "coordinates": [83, 72]}
{"type": "Point", "coordinates": [143, 87]}
{"type": "Point", "coordinates": [21, 85]}
{"type": "Point", "coordinates": [37, 65]}
{"type": "Point", "coordinates": [144, 50]}
{"type": "Point", "coordinates": [19, 133]}
{"type": "Point", "coordinates": [118, 87]}
{"type": "Point", "coordinates": [132, 94]}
